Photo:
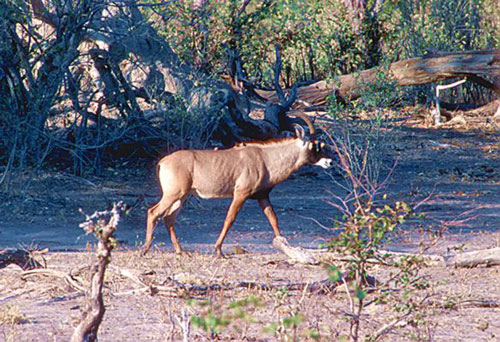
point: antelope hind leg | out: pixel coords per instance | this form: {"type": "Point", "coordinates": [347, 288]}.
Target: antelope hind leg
{"type": "Point", "coordinates": [169, 221]}
{"type": "Point", "coordinates": [162, 208]}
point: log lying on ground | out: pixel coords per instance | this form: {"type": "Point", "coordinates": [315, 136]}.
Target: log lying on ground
{"type": "Point", "coordinates": [314, 257]}
{"type": "Point", "coordinates": [478, 66]}
{"type": "Point", "coordinates": [489, 109]}
{"type": "Point", "coordinates": [488, 113]}
{"type": "Point", "coordinates": [22, 258]}
{"type": "Point", "coordinates": [486, 257]}
{"type": "Point", "coordinates": [385, 257]}
{"type": "Point", "coordinates": [296, 254]}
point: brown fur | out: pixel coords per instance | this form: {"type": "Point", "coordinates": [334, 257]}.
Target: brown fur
{"type": "Point", "coordinates": [265, 142]}
{"type": "Point", "coordinates": [246, 171]}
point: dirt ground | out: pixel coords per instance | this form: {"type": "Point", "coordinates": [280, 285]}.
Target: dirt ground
{"type": "Point", "coordinates": [146, 297]}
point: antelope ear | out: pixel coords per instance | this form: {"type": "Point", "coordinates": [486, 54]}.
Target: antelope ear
{"type": "Point", "coordinates": [310, 145]}
{"type": "Point", "coordinates": [299, 132]}
{"type": "Point", "coordinates": [322, 144]}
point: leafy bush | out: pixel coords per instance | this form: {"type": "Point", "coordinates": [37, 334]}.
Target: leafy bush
{"type": "Point", "coordinates": [315, 37]}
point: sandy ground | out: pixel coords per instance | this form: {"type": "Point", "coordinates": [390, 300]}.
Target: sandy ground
{"type": "Point", "coordinates": [47, 307]}
{"type": "Point", "coordinates": [459, 169]}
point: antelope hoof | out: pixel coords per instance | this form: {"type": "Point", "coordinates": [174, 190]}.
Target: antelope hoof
{"type": "Point", "coordinates": [219, 253]}
{"type": "Point", "coordinates": [144, 251]}
{"type": "Point", "coordinates": [182, 253]}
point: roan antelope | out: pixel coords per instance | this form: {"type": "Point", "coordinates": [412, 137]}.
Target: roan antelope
{"type": "Point", "coordinates": [248, 170]}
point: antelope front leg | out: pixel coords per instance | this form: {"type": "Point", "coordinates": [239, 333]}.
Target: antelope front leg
{"type": "Point", "coordinates": [235, 207]}
{"type": "Point", "coordinates": [265, 204]}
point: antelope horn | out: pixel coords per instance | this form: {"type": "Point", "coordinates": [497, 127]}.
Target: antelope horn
{"type": "Point", "coordinates": [312, 130]}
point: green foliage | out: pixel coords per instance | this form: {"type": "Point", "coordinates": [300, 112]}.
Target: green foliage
{"type": "Point", "coordinates": [293, 321]}
{"type": "Point", "coordinates": [319, 38]}
{"type": "Point", "coordinates": [444, 26]}
{"type": "Point", "coordinates": [315, 36]}
{"type": "Point", "coordinates": [215, 318]}
{"type": "Point", "coordinates": [238, 314]}
{"type": "Point", "coordinates": [334, 274]}
{"type": "Point", "coordinates": [288, 326]}
{"type": "Point", "coordinates": [364, 231]}
{"type": "Point", "coordinates": [210, 322]}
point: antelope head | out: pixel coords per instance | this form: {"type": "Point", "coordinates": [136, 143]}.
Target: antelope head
{"type": "Point", "coordinates": [314, 152]}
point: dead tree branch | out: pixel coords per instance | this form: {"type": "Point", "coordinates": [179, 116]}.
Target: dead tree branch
{"type": "Point", "coordinates": [475, 65]}
{"type": "Point", "coordinates": [485, 257]}
{"type": "Point", "coordinates": [94, 311]}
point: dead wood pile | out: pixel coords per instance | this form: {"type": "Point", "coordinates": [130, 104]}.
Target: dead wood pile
{"type": "Point", "coordinates": [481, 67]}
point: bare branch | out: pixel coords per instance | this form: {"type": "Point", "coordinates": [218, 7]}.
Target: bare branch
{"type": "Point", "coordinates": [277, 73]}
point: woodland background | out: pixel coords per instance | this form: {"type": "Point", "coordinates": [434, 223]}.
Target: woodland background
{"type": "Point", "coordinates": [86, 82]}
{"type": "Point", "coordinates": [94, 92]}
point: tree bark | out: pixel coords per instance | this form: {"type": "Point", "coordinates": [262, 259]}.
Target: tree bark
{"type": "Point", "coordinates": [296, 254]}
{"type": "Point", "coordinates": [477, 66]}
{"type": "Point", "coordinates": [23, 259]}
{"type": "Point", "coordinates": [486, 257]}
{"type": "Point", "coordinates": [92, 317]}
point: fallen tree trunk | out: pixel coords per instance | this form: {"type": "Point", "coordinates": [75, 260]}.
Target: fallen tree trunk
{"type": "Point", "coordinates": [477, 66]}
{"type": "Point", "coordinates": [22, 258]}
{"type": "Point", "coordinates": [384, 257]}
{"type": "Point", "coordinates": [296, 254]}
{"type": "Point", "coordinates": [486, 257]}
{"type": "Point", "coordinates": [490, 109]}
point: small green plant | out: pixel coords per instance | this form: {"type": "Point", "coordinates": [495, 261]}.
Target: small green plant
{"type": "Point", "coordinates": [366, 224]}
{"type": "Point", "coordinates": [288, 326]}
{"type": "Point", "coordinates": [210, 322]}
{"type": "Point", "coordinates": [483, 325]}
{"type": "Point", "coordinates": [215, 318]}
{"type": "Point", "coordinates": [364, 232]}
{"type": "Point", "coordinates": [239, 316]}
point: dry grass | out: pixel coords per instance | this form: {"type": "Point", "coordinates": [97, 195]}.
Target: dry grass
{"type": "Point", "coordinates": [150, 298]}
{"type": "Point", "coordinates": [10, 319]}
{"type": "Point", "coordinates": [11, 314]}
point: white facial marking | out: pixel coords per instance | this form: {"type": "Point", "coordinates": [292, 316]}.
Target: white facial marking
{"type": "Point", "coordinates": [325, 163]}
